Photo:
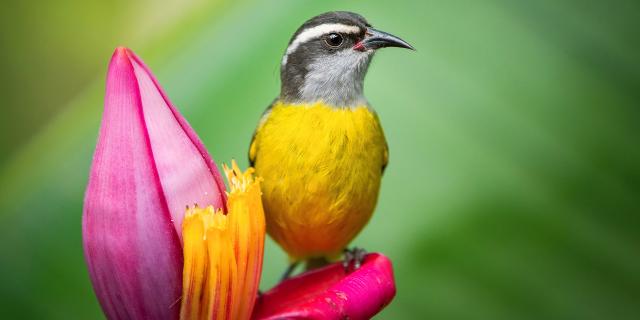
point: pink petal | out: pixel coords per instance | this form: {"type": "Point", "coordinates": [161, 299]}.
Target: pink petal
{"type": "Point", "coordinates": [147, 161]}
{"type": "Point", "coordinates": [187, 172]}
{"type": "Point", "coordinates": [331, 293]}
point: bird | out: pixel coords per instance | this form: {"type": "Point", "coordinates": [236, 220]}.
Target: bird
{"type": "Point", "coordinates": [319, 147]}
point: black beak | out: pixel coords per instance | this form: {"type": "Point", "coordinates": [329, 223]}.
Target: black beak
{"type": "Point", "coordinates": [376, 39]}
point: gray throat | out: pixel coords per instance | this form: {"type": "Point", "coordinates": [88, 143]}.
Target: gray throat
{"type": "Point", "coordinates": [336, 79]}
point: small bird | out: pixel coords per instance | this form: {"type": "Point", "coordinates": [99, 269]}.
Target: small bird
{"type": "Point", "coordinates": [319, 147]}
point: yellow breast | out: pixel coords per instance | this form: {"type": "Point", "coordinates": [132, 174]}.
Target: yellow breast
{"type": "Point", "coordinates": [321, 168]}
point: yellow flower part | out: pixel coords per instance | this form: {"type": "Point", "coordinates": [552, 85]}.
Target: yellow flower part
{"type": "Point", "coordinates": [223, 252]}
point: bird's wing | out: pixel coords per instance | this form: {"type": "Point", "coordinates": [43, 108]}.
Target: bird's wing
{"type": "Point", "coordinates": [385, 159]}
{"type": "Point", "coordinates": [385, 155]}
{"type": "Point", "coordinates": [253, 148]}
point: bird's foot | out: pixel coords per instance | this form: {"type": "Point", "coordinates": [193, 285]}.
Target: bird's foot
{"type": "Point", "coordinates": [353, 258]}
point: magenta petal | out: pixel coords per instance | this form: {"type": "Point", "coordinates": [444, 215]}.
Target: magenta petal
{"type": "Point", "coordinates": [187, 171]}
{"type": "Point", "coordinates": [148, 165]}
{"type": "Point", "coordinates": [331, 293]}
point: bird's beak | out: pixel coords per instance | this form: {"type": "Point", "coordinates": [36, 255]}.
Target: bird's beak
{"type": "Point", "coordinates": [376, 39]}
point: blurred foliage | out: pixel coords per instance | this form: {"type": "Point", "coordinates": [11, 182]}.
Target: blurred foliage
{"type": "Point", "coordinates": [514, 183]}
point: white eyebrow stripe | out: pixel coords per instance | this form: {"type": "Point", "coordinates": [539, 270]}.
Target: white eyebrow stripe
{"type": "Point", "coordinates": [315, 32]}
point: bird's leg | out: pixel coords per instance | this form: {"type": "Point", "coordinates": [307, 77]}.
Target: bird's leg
{"type": "Point", "coordinates": [287, 273]}
{"type": "Point", "coordinates": [315, 263]}
{"type": "Point", "coordinates": [353, 256]}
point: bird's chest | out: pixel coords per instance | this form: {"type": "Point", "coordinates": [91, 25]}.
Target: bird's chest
{"type": "Point", "coordinates": [321, 150]}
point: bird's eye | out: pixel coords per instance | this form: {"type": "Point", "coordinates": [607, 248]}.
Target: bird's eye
{"type": "Point", "coordinates": [333, 39]}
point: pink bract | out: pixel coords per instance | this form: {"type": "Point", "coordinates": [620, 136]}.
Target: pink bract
{"type": "Point", "coordinates": [148, 164]}
{"type": "Point", "coordinates": [331, 293]}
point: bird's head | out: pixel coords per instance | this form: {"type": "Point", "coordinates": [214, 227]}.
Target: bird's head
{"type": "Point", "coordinates": [328, 57]}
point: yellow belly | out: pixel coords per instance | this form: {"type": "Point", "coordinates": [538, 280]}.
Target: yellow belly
{"type": "Point", "coordinates": [321, 168]}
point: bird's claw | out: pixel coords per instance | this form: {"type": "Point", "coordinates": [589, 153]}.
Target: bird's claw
{"type": "Point", "coordinates": [355, 257]}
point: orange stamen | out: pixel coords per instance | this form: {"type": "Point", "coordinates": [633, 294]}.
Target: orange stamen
{"type": "Point", "coordinates": [223, 253]}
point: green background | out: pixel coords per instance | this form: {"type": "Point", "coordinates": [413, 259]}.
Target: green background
{"type": "Point", "coordinates": [513, 187]}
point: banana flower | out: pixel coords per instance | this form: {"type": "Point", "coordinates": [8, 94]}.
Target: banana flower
{"type": "Point", "coordinates": [163, 239]}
